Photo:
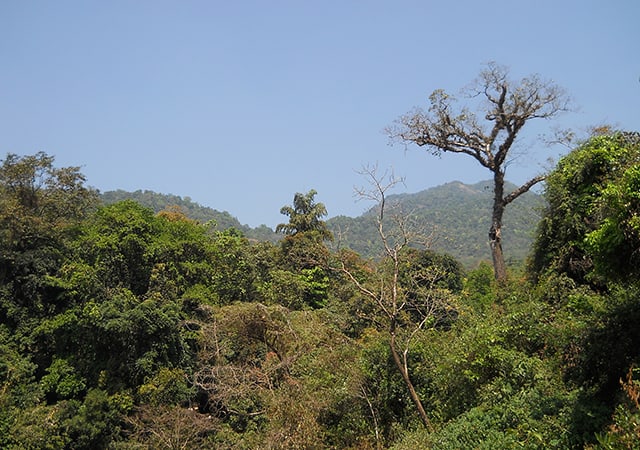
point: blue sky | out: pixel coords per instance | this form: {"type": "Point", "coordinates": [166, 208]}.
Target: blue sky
{"type": "Point", "coordinates": [241, 104]}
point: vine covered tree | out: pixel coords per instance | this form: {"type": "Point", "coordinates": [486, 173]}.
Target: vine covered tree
{"type": "Point", "coordinates": [590, 230]}
{"type": "Point", "coordinates": [508, 106]}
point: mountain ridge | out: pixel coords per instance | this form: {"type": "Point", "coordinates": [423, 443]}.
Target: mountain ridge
{"type": "Point", "coordinates": [459, 213]}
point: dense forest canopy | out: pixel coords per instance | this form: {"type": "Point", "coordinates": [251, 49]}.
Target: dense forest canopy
{"type": "Point", "coordinates": [123, 327]}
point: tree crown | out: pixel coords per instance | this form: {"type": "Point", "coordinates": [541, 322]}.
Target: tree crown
{"type": "Point", "coordinates": [304, 216]}
{"type": "Point", "coordinates": [507, 106]}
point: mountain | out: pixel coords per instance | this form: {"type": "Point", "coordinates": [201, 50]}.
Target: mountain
{"type": "Point", "coordinates": [459, 215]}
{"type": "Point", "coordinates": [222, 219]}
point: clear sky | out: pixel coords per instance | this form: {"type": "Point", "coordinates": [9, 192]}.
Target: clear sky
{"type": "Point", "coordinates": [241, 104]}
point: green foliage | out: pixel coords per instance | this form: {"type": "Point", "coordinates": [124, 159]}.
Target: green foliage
{"type": "Point", "coordinates": [302, 279]}
{"type": "Point", "coordinates": [90, 424]}
{"type": "Point", "coordinates": [115, 343]}
{"type": "Point", "coordinates": [123, 328]}
{"type": "Point", "coordinates": [384, 388]}
{"type": "Point", "coordinates": [167, 387]}
{"type": "Point", "coordinates": [589, 238]}
{"type": "Point", "coordinates": [61, 381]}
{"type": "Point", "coordinates": [38, 198]}
{"type": "Point", "coordinates": [460, 216]}
{"type": "Point", "coordinates": [304, 216]}
{"type": "Point", "coordinates": [611, 344]}
{"type": "Point", "coordinates": [592, 204]}
{"type": "Point", "coordinates": [450, 273]}
{"type": "Point", "coordinates": [624, 432]}
{"type": "Point", "coordinates": [95, 422]}
{"type": "Point", "coordinates": [115, 241]}
{"type": "Point", "coordinates": [306, 289]}
{"type": "Point", "coordinates": [316, 286]}
{"type": "Point", "coordinates": [480, 289]}
{"type": "Point", "coordinates": [526, 420]}
{"type": "Point", "coordinates": [234, 270]}
{"type": "Point", "coordinates": [615, 242]}
{"type": "Point", "coordinates": [159, 202]}
{"type": "Point", "coordinates": [39, 205]}
{"type": "Point", "coordinates": [491, 385]}
{"type": "Point", "coordinates": [127, 246]}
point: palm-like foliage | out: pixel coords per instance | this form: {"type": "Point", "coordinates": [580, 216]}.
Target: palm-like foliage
{"type": "Point", "coordinates": [304, 216]}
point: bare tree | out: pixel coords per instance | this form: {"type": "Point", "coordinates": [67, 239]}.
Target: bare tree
{"type": "Point", "coordinates": [508, 106]}
{"type": "Point", "coordinates": [230, 381]}
{"type": "Point", "coordinates": [170, 427]}
{"type": "Point", "coordinates": [404, 304]}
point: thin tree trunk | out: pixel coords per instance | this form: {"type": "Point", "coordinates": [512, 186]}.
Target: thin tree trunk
{"type": "Point", "coordinates": [405, 376]}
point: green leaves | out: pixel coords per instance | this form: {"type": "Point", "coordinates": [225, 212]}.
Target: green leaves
{"type": "Point", "coordinates": [61, 381]}
{"type": "Point", "coordinates": [615, 242]}
{"type": "Point", "coordinates": [592, 214]}
{"type": "Point", "coordinates": [39, 207]}
{"type": "Point", "coordinates": [304, 216]}
{"type": "Point", "coordinates": [127, 328]}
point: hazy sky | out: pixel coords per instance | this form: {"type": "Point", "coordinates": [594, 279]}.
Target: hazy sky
{"type": "Point", "coordinates": [241, 104]}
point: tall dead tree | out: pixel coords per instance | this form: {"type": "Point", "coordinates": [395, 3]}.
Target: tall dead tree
{"type": "Point", "coordinates": [506, 108]}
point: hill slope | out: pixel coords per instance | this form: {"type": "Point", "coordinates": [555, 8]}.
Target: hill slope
{"type": "Point", "coordinates": [459, 213]}
{"type": "Point", "coordinates": [222, 219]}
{"type": "Point", "coordinates": [460, 216]}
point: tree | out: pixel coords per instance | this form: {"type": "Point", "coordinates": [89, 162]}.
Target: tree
{"type": "Point", "coordinates": [615, 243]}
{"type": "Point", "coordinates": [406, 300]}
{"type": "Point", "coordinates": [509, 107]}
{"type": "Point", "coordinates": [304, 255]}
{"type": "Point", "coordinates": [39, 204]}
{"type": "Point", "coordinates": [304, 216]}
{"type": "Point", "coordinates": [590, 226]}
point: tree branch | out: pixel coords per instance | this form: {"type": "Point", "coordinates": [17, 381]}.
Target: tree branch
{"type": "Point", "coordinates": [522, 189]}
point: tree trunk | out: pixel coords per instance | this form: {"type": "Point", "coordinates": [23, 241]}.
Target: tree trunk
{"type": "Point", "coordinates": [495, 232]}
{"type": "Point", "coordinates": [495, 241]}
{"type": "Point", "coordinates": [405, 376]}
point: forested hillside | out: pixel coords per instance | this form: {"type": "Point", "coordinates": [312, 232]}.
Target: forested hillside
{"type": "Point", "coordinates": [203, 214]}
{"type": "Point", "coordinates": [457, 213]}
{"type": "Point", "coordinates": [158, 202]}
{"type": "Point", "coordinates": [126, 328]}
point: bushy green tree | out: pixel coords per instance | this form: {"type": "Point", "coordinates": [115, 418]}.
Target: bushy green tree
{"type": "Point", "coordinates": [304, 216]}
{"type": "Point", "coordinates": [592, 202]}
{"type": "Point", "coordinates": [303, 264]}
{"type": "Point", "coordinates": [615, 243]}
{"type": "Point", "coordinates": [492, 380]}
{"type": "Point", "coordinates": [136, 279]}
{"type": "Point", "coordinates": [39, 205]}
{"type": "Point", "coordinates": [585, 263]}
{"type": "Point", "coordinates": [479, 287]}
{"type": "Point", "coordinates": [128, 291]}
